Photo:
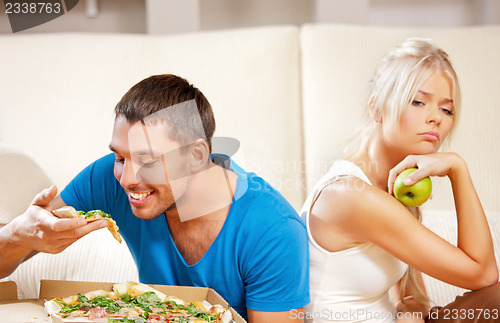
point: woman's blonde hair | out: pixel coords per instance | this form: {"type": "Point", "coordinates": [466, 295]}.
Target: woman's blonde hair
{"type": "Point", "coordinates": [398, 77]}
{"type": "Point", "coordinates": [401, 73]}
{"type": "Point", "coordinates": [410, 283]}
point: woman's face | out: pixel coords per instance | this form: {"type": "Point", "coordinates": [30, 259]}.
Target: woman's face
{"type": "Point", "coordinates": [427, 121]}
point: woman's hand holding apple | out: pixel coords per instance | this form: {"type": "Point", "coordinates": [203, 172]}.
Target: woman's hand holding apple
{"type": "Point", "coordinates": [436, 164]}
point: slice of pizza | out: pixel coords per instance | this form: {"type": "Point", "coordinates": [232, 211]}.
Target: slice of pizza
{"type": "Point", "coordinates": [94, 215]}
{"type": "Point", "coordinates": [134, 289]}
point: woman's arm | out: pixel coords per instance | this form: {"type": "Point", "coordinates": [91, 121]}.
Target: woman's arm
{"type": "Point", "coordinates": [474, 236]}
{"type": "Point", "coordinates": [352, 211]}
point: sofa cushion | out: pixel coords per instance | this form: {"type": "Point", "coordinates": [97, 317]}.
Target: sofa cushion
{"type": "Point", "coordinates": [444, 223]}
{"type": "Point", "coordinates": [21, 180]}
{"type": "Point", "coordinates": [337, 65]}
{"type": "Point", "coordinates": [59, 102]}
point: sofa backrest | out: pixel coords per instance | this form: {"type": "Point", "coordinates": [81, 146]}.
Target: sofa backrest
{"type": "Point", "coordinates": [290, 97]}
{"type": "Point", "coordinates": [57, 94]}
{"type": "Point", "coordinates": [21, 180]}
{"type": "Point", "coordinates": [339, 61]}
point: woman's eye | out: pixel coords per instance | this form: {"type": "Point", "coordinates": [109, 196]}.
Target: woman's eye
{"type": "Point", "coordinates": [119, 160]}
{"type": "Point", "coordinates": [447, 111]}
{"type": "Point", "coordinates": [417, 103]}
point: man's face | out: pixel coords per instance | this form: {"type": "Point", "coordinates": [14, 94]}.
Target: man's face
{"type": "Point", "coordinates": [149, 166]}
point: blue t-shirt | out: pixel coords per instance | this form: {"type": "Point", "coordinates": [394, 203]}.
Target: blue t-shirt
{"type": "Point", "coordinates": [259, 260]}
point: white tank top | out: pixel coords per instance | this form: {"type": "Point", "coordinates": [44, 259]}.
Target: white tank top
{"type": "Point", "coordinates": [350, 285]}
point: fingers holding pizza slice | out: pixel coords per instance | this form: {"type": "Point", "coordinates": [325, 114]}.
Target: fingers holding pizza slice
{"type": "Point", "coordinates": [94, 215]}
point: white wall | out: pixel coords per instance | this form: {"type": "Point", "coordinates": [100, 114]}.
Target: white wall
{"type": "Point", "coordinates": [440, 13]}
{"type": "Point", "coordinates": [221, 14]}
{"type": "Point", "coordinates": [114, 16]}
{"type": "Point", "coordinates": [173, 16]}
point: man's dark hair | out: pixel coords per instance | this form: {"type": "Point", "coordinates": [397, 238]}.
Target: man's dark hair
{"type": "Point", "coordinates": [158, 93]}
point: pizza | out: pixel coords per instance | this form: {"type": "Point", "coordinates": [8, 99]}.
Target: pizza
{"type": "Point", "coordinates": [94, 215]}
{"type": "Point", "coordinates": [135, 303]}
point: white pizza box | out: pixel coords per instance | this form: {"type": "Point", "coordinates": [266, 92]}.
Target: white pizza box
{"type": "Point", "coordinates": [13, 310]}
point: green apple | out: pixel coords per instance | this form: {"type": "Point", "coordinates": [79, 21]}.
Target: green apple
{"type": "Point", "coordinates": [413, 195]}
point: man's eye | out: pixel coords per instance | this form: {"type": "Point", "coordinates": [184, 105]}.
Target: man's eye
{"type": "Point", "coordinates": [149, 162]}
{"type": "Point", "coordinates": [119, 160]}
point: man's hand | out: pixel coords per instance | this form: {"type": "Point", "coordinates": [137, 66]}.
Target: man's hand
{"type": "Point", "coordinates": [38, 230]}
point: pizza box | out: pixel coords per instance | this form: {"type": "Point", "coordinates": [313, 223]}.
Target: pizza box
{"type": "Point", "coordinates": [13, 310]}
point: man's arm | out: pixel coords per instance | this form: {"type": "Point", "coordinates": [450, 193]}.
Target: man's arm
{"type": "Point", "coordinates": [12, 256]}
{"type": "Point", "coordinates": [276, 271]}
{"type": "Point", "coordinates": [37, 230]}
{"type": "Point", "coordinates": [293, 316]}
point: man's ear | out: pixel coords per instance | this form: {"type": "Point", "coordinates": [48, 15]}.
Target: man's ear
{"type": "Point", "coordinates": [374, 112]}
{"type": "Point", "coordinates": [199, 155]}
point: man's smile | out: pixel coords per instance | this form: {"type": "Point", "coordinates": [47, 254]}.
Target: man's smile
{"type": "Point", "coordinates": [141, 198]}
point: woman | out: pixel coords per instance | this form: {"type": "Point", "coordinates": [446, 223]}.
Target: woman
{"type": "Point", "coordinates": [363, 241]}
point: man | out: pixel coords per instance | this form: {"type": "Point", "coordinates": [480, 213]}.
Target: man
{"type": "Point", "coordinates": [188, 217]}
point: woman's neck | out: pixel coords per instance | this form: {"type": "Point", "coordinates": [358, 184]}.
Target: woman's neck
{"type": "Point", "coordinates": [376, 158]}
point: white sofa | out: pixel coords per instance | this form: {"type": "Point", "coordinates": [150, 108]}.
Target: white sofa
{"type": "Point", "coordinates": [290, 95]}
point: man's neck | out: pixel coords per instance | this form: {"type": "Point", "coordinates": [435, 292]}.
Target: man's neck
{"type": "Point", "coordinates": [207, 192]}
{"type": "Point", "coordinates": [197, 220]}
